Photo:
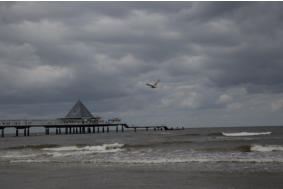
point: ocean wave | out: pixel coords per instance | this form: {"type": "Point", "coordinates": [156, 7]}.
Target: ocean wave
{"type": "Point", "coordinates": [69, 153]}
{"type": "Point", "coordinates": [17, 155]}
{"type": "Point", "coordinates": [156, 144]}
{"type": "Point", "coordinates": [197, 160]}
{"type": "Point", "coordinates": [215, 134]}
{"type": "Point", "coordinates": [246, 133]}
{"type": "Point", "coordinates": [104, 148]}
{"type": "Point", "coordinates": [191, 134]}
{"type": "Point", "coordinates": [155, 161]}
{"type": "Point", "coordinates": [39, 146]}
{"type": "Point", "coordinates": [31, 161]}
{"type": "Point", "coordinates": [266, 148]}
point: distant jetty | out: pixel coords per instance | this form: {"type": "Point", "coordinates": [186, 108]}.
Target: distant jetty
{"type": "Point", "coordinates": [79, 120]}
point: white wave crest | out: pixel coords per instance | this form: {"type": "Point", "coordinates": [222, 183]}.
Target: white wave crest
{"type": "Point", "coordinates": [70, 153]}
{"type": "Point", "coordinates": [266, 148]}
{"type": "Point", "coordinates": [73, 150]}
{"type": "Point", "coordinates": [17, 155]}
{"type": "Point", "coordinates": [246, 133]}
{"type": "Point", "coordinates": [29, 161]}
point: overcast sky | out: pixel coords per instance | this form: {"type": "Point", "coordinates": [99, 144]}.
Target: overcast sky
{"type": "Point", "coordinates": [219, 64]}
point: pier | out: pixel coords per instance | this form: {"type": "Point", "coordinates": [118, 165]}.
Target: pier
{"type": "Point", "coordinates": [78, 121]}
{"type": "Point", "coordinates": [59, 127]}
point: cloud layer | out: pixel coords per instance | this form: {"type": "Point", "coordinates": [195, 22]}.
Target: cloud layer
{"type": "Point", "coordinates": [220, 63]}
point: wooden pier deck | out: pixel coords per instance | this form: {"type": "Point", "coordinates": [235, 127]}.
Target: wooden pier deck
{"type": "Point", "coordinates": [72, 127]}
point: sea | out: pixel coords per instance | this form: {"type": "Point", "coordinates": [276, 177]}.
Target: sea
{"type": "Point", "coordinates": [228, 157]}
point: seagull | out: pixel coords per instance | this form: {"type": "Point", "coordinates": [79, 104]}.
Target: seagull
{"type": "Point", "coordinates": [153, 85]}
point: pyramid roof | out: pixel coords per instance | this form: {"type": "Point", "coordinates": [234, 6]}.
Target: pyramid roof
{"type": "Point", "coordinates": [79, 111]}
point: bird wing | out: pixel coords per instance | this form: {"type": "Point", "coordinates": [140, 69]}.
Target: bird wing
{"type": "Point", "coordinates": [148, 84]}
{"type": "Point", "coordinates": [155, 84]}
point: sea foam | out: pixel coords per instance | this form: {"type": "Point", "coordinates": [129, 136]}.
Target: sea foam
{"type": "Point", "coordinates": [105, 148]}
{"type": "Point", "coordinates": [246, 133]}
{"type": "Point", "coordinates": [266, 148]}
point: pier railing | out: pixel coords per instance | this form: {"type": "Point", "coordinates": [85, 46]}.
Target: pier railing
{"type": "Point", "coordinates": [51, 122]}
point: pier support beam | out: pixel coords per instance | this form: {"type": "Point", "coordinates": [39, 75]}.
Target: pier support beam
{"type": "Point", "coordinates": [103, 129]}
{"type": "Point", "coordinates": [77, 132]}
{"type": "Point", "coordinates": [107, 129]}
{"type": "Point", "coordinates": [2, 132]}
{"type": "Point", "coordinates": [25, 132]}
{"type": "Point", "coordinates": [66, 130]}
{"type": "Point", "coordinates": [135, 129]}
{"type": "Point", "coordinates": [93, 129]}
{"type": "Point", "coordinates": [146, 128]}
{"type": "Point", "coordinates": [59, 129]}
{"type": "Point", "coordinates": [83, 130]}
{"type": "Point", "coordinates": [117, 128]}
{"type": "Point", "coordinates": [80, 130]}
{"type": "Point", "coordinates": [17, 132]}
{"type": "Point", "coordinates": [98, 129]}
{"type": "Point", "coordinates": [122, 128]}
{"type": "Point", "coordinates": [28, 131]}
{"type": "Point", "coordinates": [47, 131]}
{"type": "Point", "coordinates": [88, 130]}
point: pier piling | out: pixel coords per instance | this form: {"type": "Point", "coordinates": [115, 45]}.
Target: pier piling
{"type": "Point", "coordinates": [2, 132]}
{"type": "Point", "coordinates": [17, 132]}
{"type": "Point", "coordinates": [83, 130]}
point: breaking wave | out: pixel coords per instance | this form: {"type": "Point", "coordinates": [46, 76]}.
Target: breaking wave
{"type": "Point", "coordinates": [246, 133]}
{"type": "Point", "coordinates": [104, 148]}
{"type": "Point", "coordinates": [266, 148]}
{"type": "Point", "coordinates": [17, 155]}
{"type": "Point", "coordinates": [259, 148]}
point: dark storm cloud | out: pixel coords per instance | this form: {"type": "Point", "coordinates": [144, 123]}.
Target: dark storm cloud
{"type": "Point", "coordinates": [214, 58]}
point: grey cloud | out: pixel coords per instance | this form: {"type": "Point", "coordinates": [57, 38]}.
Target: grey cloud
{"type": "Point", "coordinates": [53, 53]}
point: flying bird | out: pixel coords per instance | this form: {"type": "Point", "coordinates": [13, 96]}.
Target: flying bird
{"type": "Point", "coordinates": [153, 85]}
